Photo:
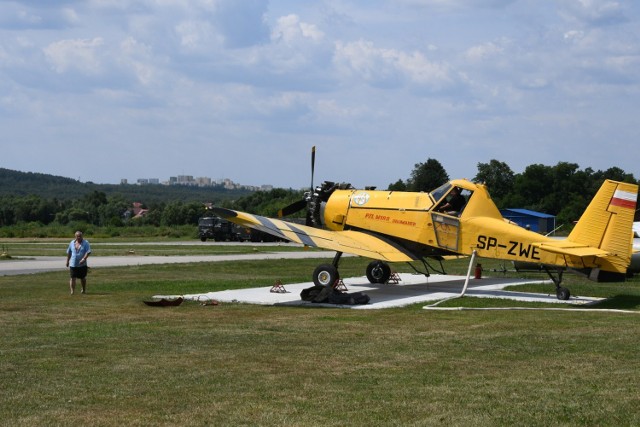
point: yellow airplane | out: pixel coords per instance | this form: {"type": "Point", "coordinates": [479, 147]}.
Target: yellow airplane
{"type": "Point", "coordinates": [456, 219]}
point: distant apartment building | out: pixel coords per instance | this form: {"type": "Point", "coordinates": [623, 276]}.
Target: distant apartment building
{"type": "Point", "coordinates": [147, 181]}
{"type": "Point", "coordinates": [186, 180]}
{"type": "Point", "coordinates": [201, 181]}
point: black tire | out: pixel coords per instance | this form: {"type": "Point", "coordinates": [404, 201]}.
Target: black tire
{"type": "Point", "coordinates": [563, 294]}
{"type": "Point", "coordinates": [203, 239]}
{"type": "Point", "coordinates": [325, 275]}
{"type": "Point", "coordinates": [378, 272]}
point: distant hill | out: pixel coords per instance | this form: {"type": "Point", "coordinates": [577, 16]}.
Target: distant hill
{"type": "Point", "coordinates": [16, 183]}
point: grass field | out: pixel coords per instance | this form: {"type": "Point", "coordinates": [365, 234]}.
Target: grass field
{"type": "Point", "coordinates": [106, 359]}
{"type": "Point", "coordinates": [104, 247]}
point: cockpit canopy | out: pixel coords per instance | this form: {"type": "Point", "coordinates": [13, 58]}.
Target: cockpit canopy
{"type": "Point", "coordinates": [440, 192]}
{"type": "Point", "coordinates": [442, 197]}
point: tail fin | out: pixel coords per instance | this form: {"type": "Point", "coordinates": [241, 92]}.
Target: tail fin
{"type": "Point", "coordinates": [607, 224]}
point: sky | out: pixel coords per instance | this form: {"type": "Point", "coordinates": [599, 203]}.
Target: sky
{"type": "Point", "coordinates": [101, 90]}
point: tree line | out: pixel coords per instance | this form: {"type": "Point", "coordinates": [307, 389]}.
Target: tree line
{"type": "Point", "coordinates": [16, 183]}
{"type": "Point", "coordinates": [98, 209]}
{"type": "Point", "coordinates": [563, 190]}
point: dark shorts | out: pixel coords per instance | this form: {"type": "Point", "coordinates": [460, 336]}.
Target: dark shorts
{"type": "Point", "coordinates": [78, 272]}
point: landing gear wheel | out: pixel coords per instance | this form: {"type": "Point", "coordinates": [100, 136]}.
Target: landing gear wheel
{"type": "Point", "coordinates": [378, 272]}
{"type": "Point", "coordinates": [563, 294]}
{"type": "Point", "coordinates": [325, 275]}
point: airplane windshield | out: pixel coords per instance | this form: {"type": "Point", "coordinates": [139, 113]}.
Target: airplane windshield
{"type": "Point", "coordinates": [439, 192]}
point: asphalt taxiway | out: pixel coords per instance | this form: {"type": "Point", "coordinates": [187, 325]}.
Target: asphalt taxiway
{"type": "Point", "coordinates": [42, 264]}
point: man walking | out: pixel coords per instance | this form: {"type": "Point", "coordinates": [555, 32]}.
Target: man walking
{"type": "Point", "coordinates": [77, 254]}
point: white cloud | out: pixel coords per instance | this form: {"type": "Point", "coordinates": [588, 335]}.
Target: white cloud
{"type": "Point", "coordinates": [195, 34]}
{"type": "Point", "coordinates": [410, 79]}
{"type": "Point", "coordinates": [70, 16]}
{"type": "Point", "coordinates": [573, 35]}
{"type": "Point", "coordinates": [290, 29]}
{"type": "Point", "coordinates": [456, 4]}
{"type": "Point", "coordinates": [484, 52]}
{"type": "Point", "coordinates": [77, 54]}
{"type": "Point", "coordinates": [390, 67]}
{"type": "Point", "coordinates": [137, 57]}
{"type": "Point", "coordinates": [594, 12]}
{"type": "Point", "coordinates": [26, 15]}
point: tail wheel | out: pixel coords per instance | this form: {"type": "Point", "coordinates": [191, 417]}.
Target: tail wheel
{"type": "Point", "coordinates": [563, 294]}
{"type": "Point", "coordinates": [325, 275]}
{"type": "Point", "coordinates": [378, 272]}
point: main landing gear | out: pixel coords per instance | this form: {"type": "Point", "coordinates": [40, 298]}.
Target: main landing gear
{"type": "Point", "coordinates": [378, 272]}
{"type": "Point", "coordinates": [562, 293]}
{"type": "Point", "coordinates": [328, 275]}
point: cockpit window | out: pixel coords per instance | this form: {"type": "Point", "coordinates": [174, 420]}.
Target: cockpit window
{"type": "Point", "coordinates": [439, 192]}
{"type": "Point", "coordinates": [454, 201]}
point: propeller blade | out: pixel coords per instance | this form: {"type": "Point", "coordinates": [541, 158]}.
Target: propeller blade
{"type": "Point", "coordinates": [292, 208]}
{"type": "Point", "coordinates": [313, 164]}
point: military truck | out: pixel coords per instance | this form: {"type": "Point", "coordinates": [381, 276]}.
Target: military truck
{"type": "Point", "coordinates": [205, 227]}
{"type": "Point", "coordinates": [218, 229]}
{"type": "Point", "coordinates": [221, 230]}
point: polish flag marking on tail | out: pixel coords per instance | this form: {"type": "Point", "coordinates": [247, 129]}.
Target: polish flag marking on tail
{"type": "Point", "coordinates": [624, 199]}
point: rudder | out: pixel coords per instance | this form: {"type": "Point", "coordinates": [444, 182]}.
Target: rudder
{"type": "Point", "coordinates": [607, 224]}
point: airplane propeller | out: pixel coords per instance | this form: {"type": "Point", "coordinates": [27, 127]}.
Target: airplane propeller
{"type": "Point", "coordinates": [313, 198]}
{"type": "Point", "coordinates": [292, 208]}
{"type": "Point", "coordinates": [313, 164]}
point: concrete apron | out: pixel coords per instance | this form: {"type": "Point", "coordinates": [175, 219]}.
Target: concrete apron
{"type": "Point", "coordinates": [410, 289]}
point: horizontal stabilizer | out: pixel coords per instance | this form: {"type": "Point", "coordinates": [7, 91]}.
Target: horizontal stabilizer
{"type": "Point", "coordinates": [565, 247]}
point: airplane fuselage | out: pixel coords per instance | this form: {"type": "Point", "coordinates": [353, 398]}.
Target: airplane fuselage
{"type": "Point", "coordinates": [414, 220]}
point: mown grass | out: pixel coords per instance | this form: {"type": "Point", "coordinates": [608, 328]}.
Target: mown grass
{"type": "Point", "coordinates": [104, 247]}
{"type": "Point", "coordinates": [107, 359]}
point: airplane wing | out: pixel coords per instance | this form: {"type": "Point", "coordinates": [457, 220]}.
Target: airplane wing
{"type": "Point", "coordinates": [354, 242]}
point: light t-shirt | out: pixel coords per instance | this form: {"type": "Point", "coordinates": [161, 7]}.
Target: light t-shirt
{"type": "Point", "coordinates": [79, 253]}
